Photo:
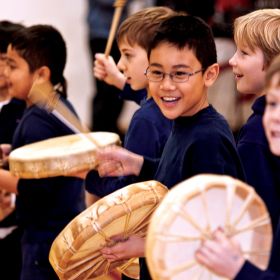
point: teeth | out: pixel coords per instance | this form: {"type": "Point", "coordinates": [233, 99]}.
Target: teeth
{"type": "Point", "coordinates": [169, 98]}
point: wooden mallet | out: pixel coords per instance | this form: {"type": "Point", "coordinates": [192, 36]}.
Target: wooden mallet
{"type": "Point", "coordinates": [119, 4]}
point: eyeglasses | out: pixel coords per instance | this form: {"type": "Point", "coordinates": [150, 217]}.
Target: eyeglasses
{"type": "Point", "coordinates": [154, 75]}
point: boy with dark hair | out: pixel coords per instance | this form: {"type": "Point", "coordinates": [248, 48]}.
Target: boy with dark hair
{"type": "Point", "coordinates": [182, 66]}
{"type": "Point", "coordinates": [37, 54]}
{"type": "Point", "coordinates": [11, 111]}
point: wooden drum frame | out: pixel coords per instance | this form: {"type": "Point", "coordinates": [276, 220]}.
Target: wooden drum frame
{"type": "Point", "coordinates": [75, 253]}
{"type": "Point", "coordinates": [191, 212]}
{"type": "Point", "coordinates": [59, 156]}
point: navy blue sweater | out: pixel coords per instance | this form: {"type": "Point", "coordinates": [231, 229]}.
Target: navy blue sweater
{"type": "Point", "coordinates": [251, 272]}
{"type": "Point", "coordinates": [147, 134]}
{"type": "Point", "coordinates": [45, 205]}
{"type": "Point", "coordinates": [202, 143]}
{"type": "Point", "coordinates": [262, 171]}
{"type": "Point", "coordinates": [262, 168]}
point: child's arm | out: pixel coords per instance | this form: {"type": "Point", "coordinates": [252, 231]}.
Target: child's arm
{"type": "Point", "coordinates": [117, 161]}
{"type": "Point", "coordinates": [106, 69]}
{"type": "Point", "coordinates": [133, 247]}
{"type": "Point", "coordinates": [221, 255]}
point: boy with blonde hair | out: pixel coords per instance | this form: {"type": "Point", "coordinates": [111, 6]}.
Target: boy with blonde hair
{"type": "Point", "coordinates": [257, 37]}
{"type": "Point", "coordinates": [221, 255]}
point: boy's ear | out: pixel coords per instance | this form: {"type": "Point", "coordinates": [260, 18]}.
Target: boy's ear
{"type": "Point", "coordinates": [43, 74]}
{"type": "Point", "coordinates": [211, 74]}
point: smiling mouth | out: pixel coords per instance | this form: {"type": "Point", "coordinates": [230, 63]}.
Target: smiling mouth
{"type": "Point", "coordinates": [170, 99]}
{"type": "Point", "coordinates": [238, 76]}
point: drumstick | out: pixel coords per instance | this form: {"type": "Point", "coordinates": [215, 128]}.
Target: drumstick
{"type": "Point", "coordinates": [44, 95]}
{"type": "Point", "coordinates": [119, 4]}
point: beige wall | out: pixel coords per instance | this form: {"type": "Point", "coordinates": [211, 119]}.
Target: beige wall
{"type": "Point", "coordinates": [69, 17]}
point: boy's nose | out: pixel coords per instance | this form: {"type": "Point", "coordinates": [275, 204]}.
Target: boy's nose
{"type": "Point", "coordinates": [167, 83]}
{"type": "Point", "coordinates": [120, 65]}
{"type": "Point", "coordinates": [232, 61]}
{"type": "Point", "coordinates": [6, 71]}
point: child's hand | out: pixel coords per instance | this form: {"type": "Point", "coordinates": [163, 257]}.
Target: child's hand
{"type": "Point", "coordinates": [133, 247]}
{"type": "Point", "coordinates": [221, 255]}
{"type": "Point", "coordinates": [5, 150]}
{"type": "Point", "coordinates": [117, 161]}
{"type": "Point", "coordinates": [106, 69]}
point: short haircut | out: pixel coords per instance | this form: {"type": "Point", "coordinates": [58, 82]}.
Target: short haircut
{"type": "Point", "coordinates": [273, 69]}
{"type": "Point", "coordinates": [259, 29]}
{"type": "Point", "coordinates": [43, 45]}
{"type": "Point", "coordinates": [140, 27]}
{"type": "Point", "coordinates": [186, 31]}
{"type": "Point", "coordinates": [7, 31]}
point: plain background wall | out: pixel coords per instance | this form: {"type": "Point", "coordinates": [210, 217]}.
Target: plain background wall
{"type": "Point", "coordinates": [69, 17]}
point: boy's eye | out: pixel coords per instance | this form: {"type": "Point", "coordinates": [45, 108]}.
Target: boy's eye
{"type": "Point", "coordinates": [11, 65]}
{"type": "Point", "coordinates": [181, 75]}
{"type": "Point", "coordinates": [244, 53]}
{"type": "Point", "coordinates": [156, 73]}
{"type": "Point", "coordinates": [271, 104]}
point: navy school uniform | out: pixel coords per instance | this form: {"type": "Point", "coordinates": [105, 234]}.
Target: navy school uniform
{"type": "Point", "coordinates": [147, 134]}
{"type": "Point", "coordinates": [261, 167]}
{"type": "Point", "coordinates": [10, 253]}
{"type": "Point", "coordinates": [251, 272]}
{"type": "Point", "coordinates": [44, 206]}
{"type": "Point", "coordinates": [202, 143]}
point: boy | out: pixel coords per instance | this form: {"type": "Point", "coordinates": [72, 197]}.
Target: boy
{"type": "Point", "coordinates": [11, 111]}
{"type": "Point", "coordinates": [257, 37]}
{"type": "Point", "coordinates": [182, 66]}
{"type": "Point", "coordinates": [44, 206]}
{"type": "Point", "coordinates": [221, 255]}
{"type": "Point", "coordinates": [149, 129]}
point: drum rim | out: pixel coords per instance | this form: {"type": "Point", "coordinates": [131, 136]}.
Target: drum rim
{"type": "Point", "coordinates": [52, 166]}
{"type": "Point", "coordinates": [152, 195]}
{"type": "Point", "coordinates": [185, 191]}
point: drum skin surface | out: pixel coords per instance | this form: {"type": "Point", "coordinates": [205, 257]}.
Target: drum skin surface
{"type": "Point", "coordinates": [59, 156]}
{"type": "Point", "coordinates": [191, 212]}
{"type": "Point", "coordinates": [75, 253]}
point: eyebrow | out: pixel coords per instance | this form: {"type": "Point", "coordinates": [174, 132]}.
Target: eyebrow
{"type": "Point", "coordinates": [174, 66]}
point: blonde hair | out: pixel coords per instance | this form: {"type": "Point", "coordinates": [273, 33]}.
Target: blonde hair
{"type": "Point", "coordinates": [140, 28]}
{"type": "Point", "coordinates": [259, 29]}
{"type": "Point", "coordinates": [273, 69]}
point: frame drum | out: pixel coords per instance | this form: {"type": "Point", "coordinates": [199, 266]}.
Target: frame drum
{"type": "Point", "coordinates": [75, 253]}
{"type": "Point", "coordinates": [191, 212]}
{"type": "Point", "coordinates": [59, 156]}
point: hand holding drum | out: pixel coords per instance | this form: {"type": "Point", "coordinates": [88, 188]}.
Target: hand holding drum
{"type": "Point", "coordinates": [60, 156]}
{"type": "Point", "coordinates": [190, 215]}
{"type": "Point", "coordinates": [76, 252]}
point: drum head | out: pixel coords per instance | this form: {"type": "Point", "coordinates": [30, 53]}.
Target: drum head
{"type": "Point", "coordinates": [75, 253]}
{"type": "Point", "coordinates": [59, 156]}
{"type": "Point", "coordinates": [191, 212]}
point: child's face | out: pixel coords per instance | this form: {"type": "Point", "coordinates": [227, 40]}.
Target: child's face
{"type": "Point", "coordinates": [133, 63]}
{"type": "Point", "coordinates": [19, 77]}
{"type": "Point", "coordinates": [271, 118]}
{"type": "Point", "coordinates": [248, 68]}
{"type": "Point", "coordinates": [177, 99]}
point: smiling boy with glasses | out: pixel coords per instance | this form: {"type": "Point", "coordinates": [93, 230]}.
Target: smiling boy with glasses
{"type": "Point", "coordinates": [182, 66]}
